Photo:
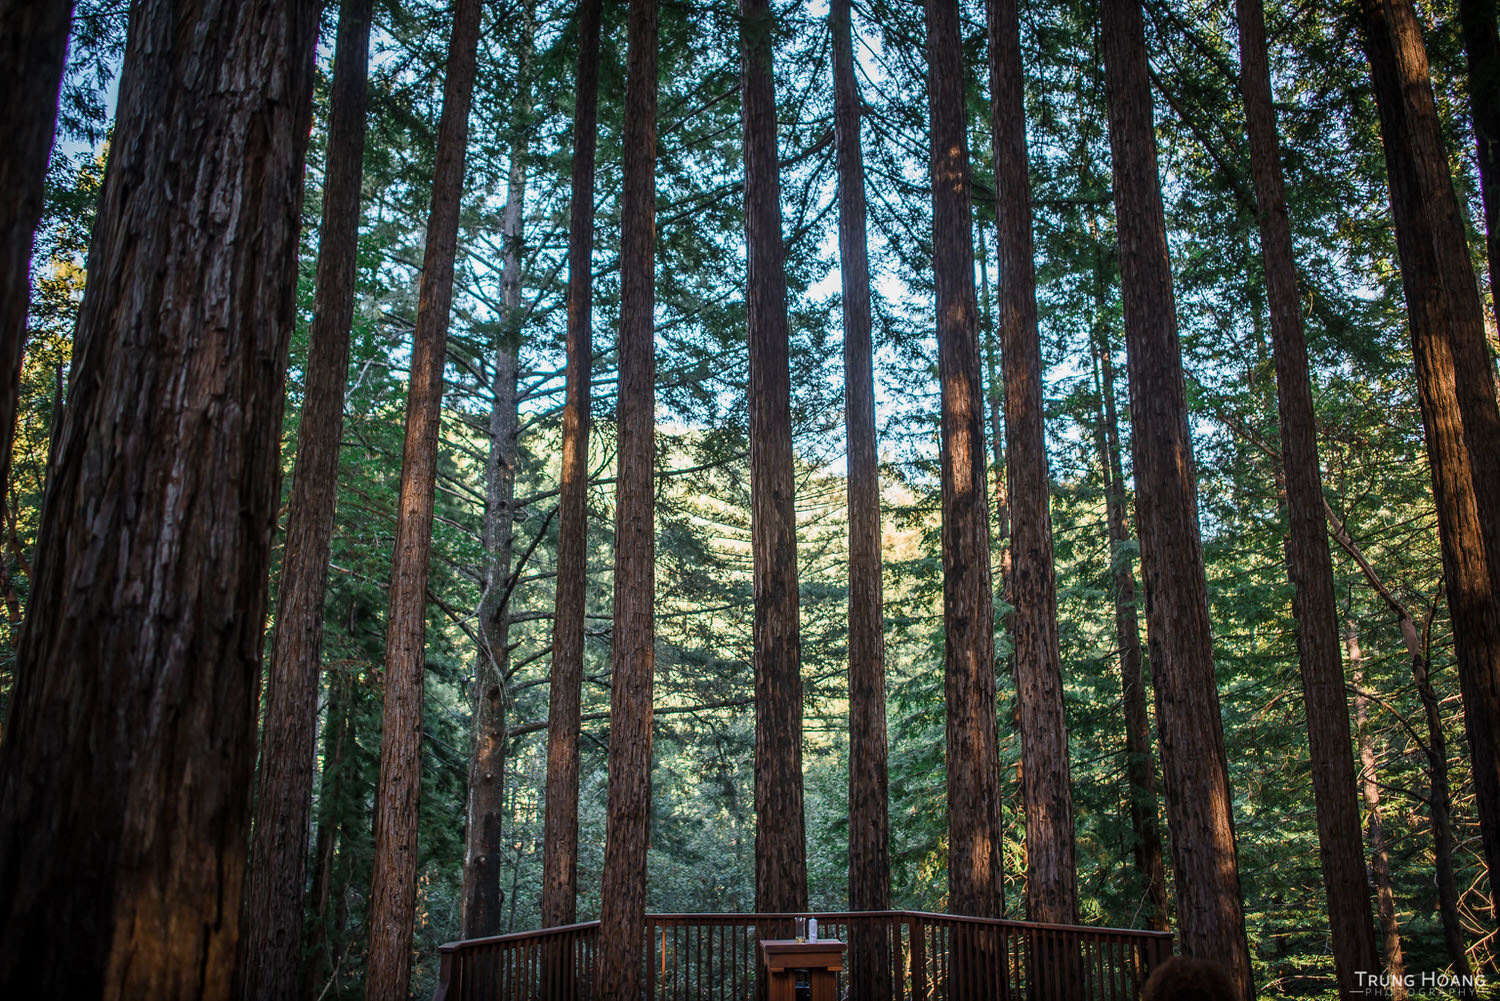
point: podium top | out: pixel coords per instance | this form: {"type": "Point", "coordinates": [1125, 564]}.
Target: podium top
{"type": "Point", "coordinates": [789, 954]}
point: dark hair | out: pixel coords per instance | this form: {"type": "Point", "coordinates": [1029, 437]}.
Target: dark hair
{"type": "Point", "coordinates": [1183, 978]}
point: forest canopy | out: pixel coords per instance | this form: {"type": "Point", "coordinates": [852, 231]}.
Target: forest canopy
{"type": "Point", "coordinates": [600, 441]}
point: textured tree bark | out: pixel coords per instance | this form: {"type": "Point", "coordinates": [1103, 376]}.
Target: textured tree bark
{"type": "Point", "coordinates": [124, 822]}
{"type": "Point", "coordinates": [869, 848]}
{"type": "Point", "coordinates": [482, 896]}
{"type": "Point", "coordinates": [974, 843]}
{"type": "Point", "coordinates": [1482, 47]}
{"type": "Point", "coordinates": [1140, 769]}
{"type": "Point", "coordinates": [1455, 382]}
{"type": "Point", "coordinates": [270, 955]}
{"type": "Point", "coordinates": [33, 51]}
{"type": "Point", "coordinates": [1051, 877]}
{"type": "Point", "coordinates": [1209, 908]}
{"type": "Point", "coordinates": [622, 917]}
{"type": "Point", "coordinates": [560, 837]}
{"type": "Point", "coordinates": [1341, 848]}
{"type": "Point", "coordinates": [1370, 788]}
{"type": "Point", "coordinates": [393, 885]}
{"type": "Point", "coordinates": [780, 844]}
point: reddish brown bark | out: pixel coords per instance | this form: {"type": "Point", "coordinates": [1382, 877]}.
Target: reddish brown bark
{"type": "Point", "coordinates": [1209, 908]}
{"type": "Point", "coordinates": [124, 822]}
{"type": "Point", "coordinates": [1380, 864]}
{"type": "Point", "coordinates": [1046, 789]}
{"type": "Point", "coordinates": [780, 845]}
{"type": "Point", "coordinates": [270, 955]}
{"type": "Point", "coordinates": [1140, 768]}
{"type": "Point", "coordinates": [393, 886]}
{"type": "Point", "coordinates": [869, 848]}
{"type": "Point", "coordinates": [1455, 381]}
{"type": "Point", "coordinates": [1341, 848]}
{"type": "Point", "coordinates": [974, 843]}
{"type": "Point", "coordinates": [622, 917]}
{"type": "Point", "coordinates": [560, 838]}
{"type": "Point", "coordinates": [1482, 47]}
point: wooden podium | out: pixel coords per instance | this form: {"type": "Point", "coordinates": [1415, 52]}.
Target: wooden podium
{"type": "Point", "coordinates": [822, 959]}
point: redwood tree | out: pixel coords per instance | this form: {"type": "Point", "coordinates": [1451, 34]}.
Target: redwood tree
{"type": "Point", "coordinates": [1051, 877]}
{"type": "Point", "coordinates": [271, 950]}
{"type": "Point", "coordinates": [124, 821]}
{"type": "Point", "coordinates": [974, 844]}
{"type": "Point", "coordinates": [1340, 845]}
{"type": "Point", "coordinates": [622, 916]}
{"type": "Point", "coordinates": [869, 848]}
{"type": "Point", "coordinates": [482, 897]}
{"type": "Point", "coordinates": [560, 838]}
{"type": "Point", "coordinates": [1482, 47]}
{"type": "Point", "coordinates": [33, 48]}
{"type": "Point", "coordinates": [780, 845]}
{"type": "Point", "coordinates": [393, 886]}
{"type": "Point", "coordinates": [1455, 381]}
{"type": "Point", "coordinates": [1210, 912]}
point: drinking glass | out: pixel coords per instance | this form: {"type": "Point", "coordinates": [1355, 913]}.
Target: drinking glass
{"type": "Point", "coordinates": [801, 924]}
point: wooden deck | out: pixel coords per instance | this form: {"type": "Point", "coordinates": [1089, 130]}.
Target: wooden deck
{"type": "Point", "coordinates": [713, 957]}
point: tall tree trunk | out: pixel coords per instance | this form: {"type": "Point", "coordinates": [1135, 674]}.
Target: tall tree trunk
{"type": "Point", "coordinates": [1482, 46]}
{"type": "Point", "coordinates": [974, 842]}
{"type": "Point", "coordinates": [1455, 382]}
{"type": "Point", "coordinates": [325, 845]}
{"type": "Point", "coordinates": [1051, 879]}
{"type": "Point", "coordinates": [1140, 769]}
{"type": "Point", "coordinates": [622, 918]}
{"type": "Point", "coordinates": [124, 822]}
{"type": "Point", "coordinates": [270, 954]}
{"type": "Point", "coordinates": [482, 896]}
{"type": "Point", "coordinates": [1341, 848]}
{"type": "Point", "coordinates": [780, 843]}
{"type": "Point", "coordinates": [1439, 798]}
{"type": "Point", "coordinates": [1209, 908]}
{"type": "Point", "coordinates": [33, 51]}
{"type": "Point", "coordinates": [1370, 787]}
{"type": "Point", "coordinates": [560, 838]}
{"type": "Point", "coordinates": [869, 848]}
{"type": "Point", "coordinates": [393, 887]}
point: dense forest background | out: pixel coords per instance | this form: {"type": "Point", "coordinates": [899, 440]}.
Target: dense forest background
{"type": "Point", "coordinates": [1375, 476]}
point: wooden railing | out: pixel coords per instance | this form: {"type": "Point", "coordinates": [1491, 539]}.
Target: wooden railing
{"type": "Point", "coordinates": [914, 956]}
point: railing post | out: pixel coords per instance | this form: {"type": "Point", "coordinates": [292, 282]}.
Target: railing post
{"type": "Point", "coordinates": [918, 960]}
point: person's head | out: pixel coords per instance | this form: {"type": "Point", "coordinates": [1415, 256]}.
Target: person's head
{"type": "Point", "coordinates": [1183, 978]}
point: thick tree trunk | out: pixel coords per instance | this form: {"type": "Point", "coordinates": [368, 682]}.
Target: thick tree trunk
{"type": "Point", "coordinates": [869, 848]}
{"type": "Point", "coordinates": [780, 844]}
{"type": "Point", "coordinates": [1455, 382]}
{"type": "Point", "coordinates": [123, 816]}
{"type": "Point", "coordinates": [622, 918]}
{"type": "Point", "coordinates": [1051, 879]}
{"type": "Point", "coordinates": [1140, 768]}
{"type": "Point", "coordinates": [393, 886]}
{"type": "Point", "coordinates": [560, 838]}
{"type": "Point", "coordinates": [974, 842]}
{"type": "Point", "coordinates": [1209, 909]}
{"type": "Point", "coordinates": [1380, 863]}
{"type": "Point", "coordinates": [482, 896]}
{"type": "Point", "coordinates": [1341, 848]}
{"type": "Point", "coordinates": [270, 954]}
{"type": "Point", "coordinates": [1439, 798]}
{"type": "Point", "coordinates": [33, 50]}
{"type": "Point", "coordinates": [1482, 46]}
